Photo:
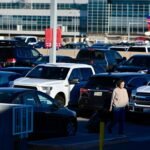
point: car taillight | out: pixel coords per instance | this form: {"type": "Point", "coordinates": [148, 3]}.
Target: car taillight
{"type": "Point", "coordinates": [83, 90]}
{"type": "Point", "coordinates": [11, 60]}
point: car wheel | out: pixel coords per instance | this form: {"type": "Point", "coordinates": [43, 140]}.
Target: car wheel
{"type": "Point", "coordinates": [70, 128]}
{"type": "Point", "coordinates": [60, 100]}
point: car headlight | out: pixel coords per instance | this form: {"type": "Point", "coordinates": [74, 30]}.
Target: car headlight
{"type": "Point", "coordinates": [46, 89]}
{"type": "Point", "coordinates": [143, 71]}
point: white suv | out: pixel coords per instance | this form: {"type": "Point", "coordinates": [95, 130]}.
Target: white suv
{"type": "Point", "coordinates": [61, 81]}
{"type": "Point", "coordinates": [30, 40]}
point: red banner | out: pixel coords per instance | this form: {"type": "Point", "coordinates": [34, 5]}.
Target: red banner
{"type": "Point", "coordinates": [49, 37]}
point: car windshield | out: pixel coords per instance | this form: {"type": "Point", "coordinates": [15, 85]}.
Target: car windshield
{"type": "Point", "coordinates": [44, 72]}
{"type": "Point", "coordinates": [138, 61]}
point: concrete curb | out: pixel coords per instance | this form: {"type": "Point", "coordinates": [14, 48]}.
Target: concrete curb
{"type": "Point", "coordinates": [75, 146]}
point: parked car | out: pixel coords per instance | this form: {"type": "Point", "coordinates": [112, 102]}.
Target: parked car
{"type": "Point", "coordinates": [21, 70]}
{"type": "Point", "coordinates": [77, 45]}
{"type": "Point", "coordinates": [119, 48]}
{"type": "Point", "coordinates": [7, 78]}
{"type": "Point", "coordinates": [15, 53]}
{"type": "Point", "coordinates": [49, 118]}
{"type": "Point", "coordinates": [29, 40]}
{"type": "Point", "coordinates": [108, 59]}
{"type": "Point", "coordinates": [140, 100]}
{"type": "Point", "coordinates": [59, 58]}
{"type": "Point", "coordinates": [61, 81]}
{"type": "Point", "coordinates": [139, 48]}
{"type": "Point", "coordinates": [101, 46]}
{"type": "Point", "coordinates": [96, 94]}
{"type": "Point", "coordinates": [39, 44]}
{"type": "Point", "coordinates": [135, 63]}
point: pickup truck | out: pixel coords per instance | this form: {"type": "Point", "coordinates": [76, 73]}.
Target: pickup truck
{"type": "Point", "coordinates": [61, 81]}
{"type": "Point", "coordinates": [140, 100]}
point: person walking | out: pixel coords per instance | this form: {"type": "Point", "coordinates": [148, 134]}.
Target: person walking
{"type": "Point", "coordinates": [119, 101]}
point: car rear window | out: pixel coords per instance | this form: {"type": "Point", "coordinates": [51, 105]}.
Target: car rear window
{"type": "Point", "coordinates": [106, 81]}
{"type": "Point", "coordinates": [102, 82]}
{"type": "Point", "coordinates": [87, 54]}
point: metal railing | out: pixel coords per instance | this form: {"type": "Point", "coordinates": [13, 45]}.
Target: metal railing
{"type": "Point", "coordinates": [22, 120]}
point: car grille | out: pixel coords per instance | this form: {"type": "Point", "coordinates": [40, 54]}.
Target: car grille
{"type": "Point", "coordinates": [142, 98]}
{"type": "Point", "coordinates": [143, 94]}
{"type": "Point", "coordinates": [29, 87]}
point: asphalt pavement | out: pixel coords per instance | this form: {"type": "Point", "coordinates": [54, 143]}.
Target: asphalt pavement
{"type": "Point", "coordinates": [85, 141]}
{"type": "Point", "coordinates": [82, 141]}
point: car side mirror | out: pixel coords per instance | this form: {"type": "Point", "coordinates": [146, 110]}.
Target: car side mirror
{"type": "Point", "coordinates": [74, 81]}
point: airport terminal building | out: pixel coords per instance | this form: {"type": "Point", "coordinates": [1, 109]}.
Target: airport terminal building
{"type": "Point", "coordinates": [76, 17]}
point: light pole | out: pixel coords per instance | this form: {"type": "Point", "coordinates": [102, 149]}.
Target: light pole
{"type": "Point", "coordinates": [53, 25]}
{"type": "Point", "coordinates": [129, 31]}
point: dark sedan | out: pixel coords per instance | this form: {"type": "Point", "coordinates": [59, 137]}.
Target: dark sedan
{"type": "Point", "coordinates": [17, 69]}
{"type": "Point", "coordinates": [6, 78]}
{"type": "Point", "coordinates": [135, 63]}
{"type": "Point", "coordinates": [50, 119]}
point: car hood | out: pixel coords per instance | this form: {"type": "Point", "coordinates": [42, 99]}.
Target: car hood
{"type": "Point", "coordinates": [35, 81]}
{"type": "Point", "coordinates": [144, 89]}
{"type": "Point", "coordinates": [123, 68]}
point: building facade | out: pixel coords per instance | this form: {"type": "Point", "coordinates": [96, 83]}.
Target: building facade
{"type": "Point", "coordinates": [33, 16]}
{"type": "Point", "coordinates": [76, 17]}
{"type": "Point", "coordinates": [118, 16]}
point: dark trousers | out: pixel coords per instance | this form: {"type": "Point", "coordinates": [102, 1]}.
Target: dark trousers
{"type": "Point", "coordinates": [118, 118]}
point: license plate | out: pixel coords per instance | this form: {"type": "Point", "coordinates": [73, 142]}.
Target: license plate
{"type": "Point", "coordinates": [97, 93]}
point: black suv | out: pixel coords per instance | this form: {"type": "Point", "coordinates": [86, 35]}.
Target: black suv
{"type": "Point", "coordinates": [108, 59]}
{"type": "Point", "coordinates": [14, 53]}
{"type": "Point", "coordinates": [96, 94]}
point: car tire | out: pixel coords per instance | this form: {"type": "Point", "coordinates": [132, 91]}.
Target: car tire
{"type": "Point", "coordinates": [71, 128]}
{"type": "Point", "coordinates": [60, 99]}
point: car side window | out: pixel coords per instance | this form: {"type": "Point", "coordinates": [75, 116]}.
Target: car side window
{"type": "Point", "coordinates": [29, 99]}
{"type": "Point", "coordinates": [44, 100]}
{"type": "Point", "coordinates": [23, 52]}
{"type": "Point", "coordinates": [86, 73]}
{"type": "Point", "coordinates": [137, 49]}
{"type": "Point", "coordinates": [75, 74]}
{"type": "Point", "coordinates": [35, 53]}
